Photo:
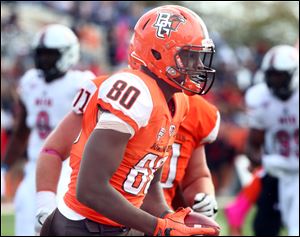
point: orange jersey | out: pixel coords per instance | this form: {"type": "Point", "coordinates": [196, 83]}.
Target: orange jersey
{"type": "Point", "coordinates": [199, 127]}
{"type": "Point", "coordinates": [135, 98]}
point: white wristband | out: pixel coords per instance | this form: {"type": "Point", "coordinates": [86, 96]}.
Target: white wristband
{"type": "Point", "coordinates": [46, 203]}
{"type": "Point", "coordinates": [46, 200]}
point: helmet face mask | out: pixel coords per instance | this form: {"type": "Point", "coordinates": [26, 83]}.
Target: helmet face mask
{"type": "Point", "coordinates": [173, 43]}
{"type": "Point", "coordinates": [194, 66]}
{"type": "Point", "coordinates": [279, 83]}
{"type": "Point", "coordinates": [45, 59]}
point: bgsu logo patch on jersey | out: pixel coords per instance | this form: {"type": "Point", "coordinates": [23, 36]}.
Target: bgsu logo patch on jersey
{"type": "Point", "coordinates": [172, 130]}
{"type": "Point", "coordinates": [166, 23]}
{"type": "Point", "coordinates": [161, 133]}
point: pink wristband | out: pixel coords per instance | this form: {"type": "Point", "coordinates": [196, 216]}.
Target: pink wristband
{"type": "Point", "coordinates": [51, 152]}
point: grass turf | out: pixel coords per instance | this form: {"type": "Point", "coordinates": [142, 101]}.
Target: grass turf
{"type": "Point", "coordinates": [7, 224]}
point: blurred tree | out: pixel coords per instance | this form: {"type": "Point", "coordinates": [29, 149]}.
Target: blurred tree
{"type": "Point", "coordinates": [250, 22]}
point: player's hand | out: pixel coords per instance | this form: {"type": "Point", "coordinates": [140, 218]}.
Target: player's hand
{"type": "Point", "coordinates": [173, 225]}
{"type": "Point", "coordinates": [40, 219]}
{"type": "Point", "coordinates": [46, 203]}
{"type": "Point", "coordinates": [205, 204]}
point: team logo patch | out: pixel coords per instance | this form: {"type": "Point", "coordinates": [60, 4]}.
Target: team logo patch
{"type": "Point", "coordinates": [161, 133]}
{"type": "Point", "coordinates": [172, 130]}
{"type": "Point", "coordinates": [166, 23]}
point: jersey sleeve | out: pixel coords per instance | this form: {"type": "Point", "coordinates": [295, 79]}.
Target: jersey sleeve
{"type": "Point", "coordinates": [204, 119]}
{"type": "Point", "coordinates": [127, 96]}
{"type": "Point", "coordinates": [255, 109]}
{"type": "Point", "coordinates": [86, 90]}
{"type": "Point", "coordinates": [111, 121]}
{"type": "Point", "coordinates": [214, 125]}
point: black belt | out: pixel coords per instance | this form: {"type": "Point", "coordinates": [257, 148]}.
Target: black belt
{"type": "Point", "coordinates": [95, 227]}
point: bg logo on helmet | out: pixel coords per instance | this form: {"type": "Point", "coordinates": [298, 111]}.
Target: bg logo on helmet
{"type": "Point", "coordinates": [166, 23]}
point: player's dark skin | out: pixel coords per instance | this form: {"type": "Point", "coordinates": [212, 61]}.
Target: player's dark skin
{"type": "Point", "coordinates": [102, 155]}
{"type": "Point", "coordinates": [19, 139]}
{"type": "Point", "coordinates": [254, 146]}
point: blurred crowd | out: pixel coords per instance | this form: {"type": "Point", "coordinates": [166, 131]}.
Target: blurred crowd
{"type": "Point", "coordinates": [104, 29]}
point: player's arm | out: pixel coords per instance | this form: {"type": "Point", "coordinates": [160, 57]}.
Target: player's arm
{"type": "Point", "coordinates": [154, 202]}
{"type": "Point", "coordinates": [197, 185]}
{"type": "Point", "coordinates": [254, 146]}
{"type": "Point", "coordinates": [19, 139]}
{"type": "Point", "coordinates": [104, 151]}
{"type": "Point", "coordinates": [55, 150]}
{"type": "Point", "coordinates": [198, 177]}
{"type": "Point", "coordinates": [58, 144]}
{"type": "Point", "coordinates": [102, 156]}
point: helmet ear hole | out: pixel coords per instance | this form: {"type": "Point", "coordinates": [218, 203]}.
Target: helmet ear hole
{"type": "Point", "coordinates": [156, 54]}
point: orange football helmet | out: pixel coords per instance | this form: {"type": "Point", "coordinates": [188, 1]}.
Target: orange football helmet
{"type": "Point", "coordinates": [173, 43]}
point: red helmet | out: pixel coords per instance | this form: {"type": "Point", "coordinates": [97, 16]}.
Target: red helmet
{"type": "Point", "coordinates": [173, 43]}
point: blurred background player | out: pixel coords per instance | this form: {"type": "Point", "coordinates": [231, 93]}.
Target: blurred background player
{"type": "Point", "coordinates": [45, 96]}
{"type": "Point", "coordinates": [187, 170]}
{"type": "Point", "coordinates": [100, 206]}
{"type": "Point", "coordinates": [273, 141]}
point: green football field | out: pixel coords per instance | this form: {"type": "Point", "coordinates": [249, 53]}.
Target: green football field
{"type": "Point", "coordinates": [7, 225]}
{"type": "Point", "coordinates": [8, 220]}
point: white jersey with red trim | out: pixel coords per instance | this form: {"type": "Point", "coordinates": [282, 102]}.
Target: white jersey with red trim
{"type": "Point", "coordinates": [279, 119]}
{"type": "Point", "coordinates": [47, 103]}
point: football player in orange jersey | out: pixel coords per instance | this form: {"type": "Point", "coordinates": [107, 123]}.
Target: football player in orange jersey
{"type": "Point", "coordinates": [128, 128]}
{"type": "Point", "coordinates": [187, 167]}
